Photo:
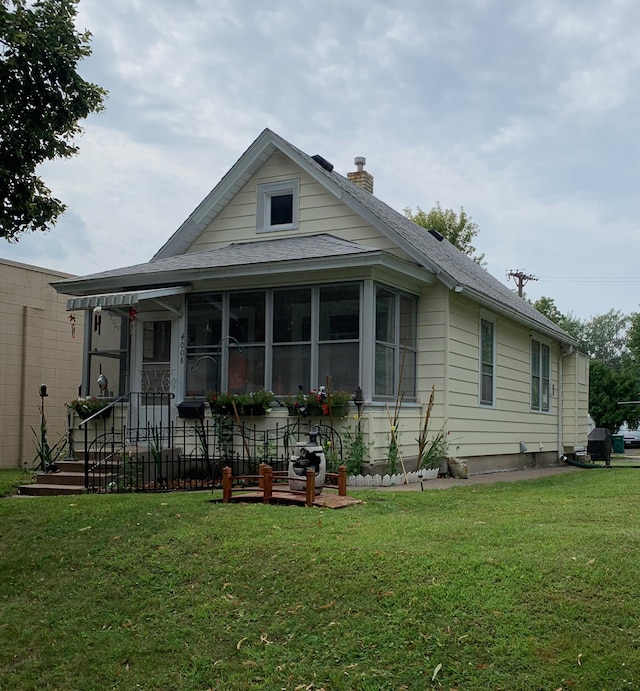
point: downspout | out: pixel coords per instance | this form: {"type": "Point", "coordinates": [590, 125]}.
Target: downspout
{"type": "Point", "coordinates": [23, 383]}
{"type": "Point", "coordinates": [561, 399]}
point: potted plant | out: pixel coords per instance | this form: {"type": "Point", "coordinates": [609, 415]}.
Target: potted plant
{"type": "Point", "coordinates": [318, 403]}
{"type": "Point", "coordinates": [87, 406]}
{"type": "Point", "coordinates": [251, 403]}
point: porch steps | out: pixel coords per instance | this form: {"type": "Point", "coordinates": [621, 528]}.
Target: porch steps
{"type": "Point", "coordinates": [68, 480]}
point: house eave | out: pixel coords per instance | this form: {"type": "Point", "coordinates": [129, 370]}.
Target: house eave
{"type": "Point", "coordinates": [534, 325]}
{"type": "Point", "coordinates": [190, 278]}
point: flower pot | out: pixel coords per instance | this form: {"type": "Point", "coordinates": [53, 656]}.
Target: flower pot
{"type": "Point", "coordinates": [100, 415]}
{"type": "Point", "coordinates": [191, 410]}
{"type": "Point", "coordinates": [430, 473]}
{"type": "Point", "coordinates": [221, 409]}
{"type": "Point", "coordinates": [317, 410]}
{"type": "Point", "coordinates": [255, 410]}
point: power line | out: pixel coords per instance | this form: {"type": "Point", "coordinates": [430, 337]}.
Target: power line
{"type": "Point", "coordinates": [591, 279]}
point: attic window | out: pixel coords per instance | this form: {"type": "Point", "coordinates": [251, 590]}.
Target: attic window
{"type": "Point", "coordinates": [277, 206]}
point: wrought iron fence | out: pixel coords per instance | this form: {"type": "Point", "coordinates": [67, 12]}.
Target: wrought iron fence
{"type": "Point", "coordinates": [139, 448]}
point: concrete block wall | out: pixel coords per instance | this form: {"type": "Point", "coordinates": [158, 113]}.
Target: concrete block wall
{"type": "Point", "coordinates": [36, 347]}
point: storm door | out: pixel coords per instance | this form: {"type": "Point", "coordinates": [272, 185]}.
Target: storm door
{"type": "Point", "coordinates": [151, 403]}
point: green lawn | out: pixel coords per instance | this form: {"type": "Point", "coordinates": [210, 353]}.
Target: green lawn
{"type": "Point", "coordinates": [11, 479]}
{"type": "Point", "coordinates": [529, 585]}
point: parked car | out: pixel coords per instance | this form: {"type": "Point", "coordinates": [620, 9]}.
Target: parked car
{"type": "Point", "coordinates": [631, 436]}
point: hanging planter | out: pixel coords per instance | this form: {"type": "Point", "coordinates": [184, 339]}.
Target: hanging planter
{"type": "Point", "coordinates": [318, 404]}
{"type": "Point", "coordinates": [254, 403]}
{"type": "Point", "coordinates": [87, 406]}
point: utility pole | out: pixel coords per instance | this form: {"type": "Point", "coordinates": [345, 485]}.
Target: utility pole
{"type": "Point", "coordinates": [521, 279]}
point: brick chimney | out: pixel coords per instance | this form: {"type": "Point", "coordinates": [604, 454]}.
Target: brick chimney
{"type": "Point", "coordinates": [360, 176]}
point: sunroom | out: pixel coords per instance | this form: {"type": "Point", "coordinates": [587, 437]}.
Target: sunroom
{"type": "Point", "coordinates": [228, 322]}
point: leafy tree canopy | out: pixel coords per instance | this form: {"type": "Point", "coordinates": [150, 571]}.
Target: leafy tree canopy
{"type": "Point", "coordinates": [608, 386]}
{"type": "Point", "coordinates": [42, 99]}
{"type": "Point", "coordinates": [459, 229]}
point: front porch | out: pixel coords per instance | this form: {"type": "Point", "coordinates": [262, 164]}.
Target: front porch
{"type": "Point", "coordinates": [136, 443]}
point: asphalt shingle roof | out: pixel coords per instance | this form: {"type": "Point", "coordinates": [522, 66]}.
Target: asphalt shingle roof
{"type": "Point", "coordinates": [451, 265]}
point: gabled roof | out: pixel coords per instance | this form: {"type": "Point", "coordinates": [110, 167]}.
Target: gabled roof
{"type": "Point", "coordinates": [451, 266]}
{"type": "Point", "coordinates": [434, 254]}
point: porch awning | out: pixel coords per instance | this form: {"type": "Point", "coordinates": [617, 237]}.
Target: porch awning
{"type": "Point", "coordinates": [88, 302]}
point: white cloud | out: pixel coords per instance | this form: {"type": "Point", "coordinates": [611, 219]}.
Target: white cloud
{"type": "Point", "coordinates": [524, 114]}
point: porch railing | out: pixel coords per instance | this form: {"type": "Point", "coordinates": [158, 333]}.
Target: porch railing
{"type": "Point", "coordinates": [136, 445]}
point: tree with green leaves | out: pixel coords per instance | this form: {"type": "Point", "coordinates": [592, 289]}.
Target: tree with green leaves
{"type": "Point", "coordinates": [614, 370]}
{"type": "Point", "coordinates": [607, 387]}
{"type": "Point", "coordinates": [42, 100]}
{"type": "Point", "coordinates": [459, 229]}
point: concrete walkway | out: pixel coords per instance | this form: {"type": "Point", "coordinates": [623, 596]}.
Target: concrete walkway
{"type": "Point", "coordinates": [488, 478]}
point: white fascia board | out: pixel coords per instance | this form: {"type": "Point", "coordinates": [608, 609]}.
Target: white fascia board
{"type": "Point", "coordinates": [362, 211]}
{"type": "Point", "coordinates": [219, 197]}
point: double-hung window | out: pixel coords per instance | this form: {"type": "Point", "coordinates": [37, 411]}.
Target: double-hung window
{"type": "Point", "coordinates": [540, 377]}
{"type": "Point", "coordinates": [487, 362]}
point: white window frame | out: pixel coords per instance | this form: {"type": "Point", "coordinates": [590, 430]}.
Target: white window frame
{"type": "Point", "coordinates": [489, 319]}
{"type": "Point", "coordinates": [537, 406]}
{"type": "Point", "coordinates": [268, 190]}
{"type": "Point", "coordinates": [396, 346]}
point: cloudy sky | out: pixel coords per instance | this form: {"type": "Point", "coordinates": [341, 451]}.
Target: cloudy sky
{"type": "Point", "coordinates": [525, 113]}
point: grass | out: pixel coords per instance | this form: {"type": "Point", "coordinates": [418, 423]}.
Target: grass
{"type": "Point", "coordinates": [11, 479]}
{"type": "Point", "coordinates": [529, 585]}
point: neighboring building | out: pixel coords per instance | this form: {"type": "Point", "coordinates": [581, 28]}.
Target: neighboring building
{"type": "Point", "coordinates": [290, 275]}
{"type": "Point", "coordinates": [36, 347]}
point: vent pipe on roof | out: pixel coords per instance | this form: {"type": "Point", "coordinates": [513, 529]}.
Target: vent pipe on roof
{"type": "Point", "coordinates": [360, 176]}
{"type": "Point", "coordinates": [323, 162]}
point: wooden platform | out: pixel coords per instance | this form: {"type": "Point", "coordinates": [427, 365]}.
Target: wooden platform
{"type": "Point", "coordinates": [325, 500]}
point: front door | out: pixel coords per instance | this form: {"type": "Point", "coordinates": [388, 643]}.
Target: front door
{"type": "Point", "coordinates": [155, 376]}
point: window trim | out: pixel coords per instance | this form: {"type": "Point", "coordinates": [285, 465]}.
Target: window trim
{"type": "Point", "coordinates": [489, 319]}
{"type": "Point", "coordinates": [539, 407]}
{"type": "Point", "coordinates": [396, 346]}
{"type": "Point", "coordinates": [264, 193]}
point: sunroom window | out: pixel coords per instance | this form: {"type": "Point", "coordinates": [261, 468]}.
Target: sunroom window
{"type": "Point", "coordinates": [280, 339]}
{"type": "Point", "coordinates": [396, 344]}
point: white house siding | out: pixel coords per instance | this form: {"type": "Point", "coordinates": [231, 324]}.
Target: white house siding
{"type": "Point", "coordinates": [575, 392]}
{"type": "Point", "coordinates": [482, 431]}
{"type": "Point", "coordinates": [36, 347]}
{"type": "Point", "coordinates": [320, 212]}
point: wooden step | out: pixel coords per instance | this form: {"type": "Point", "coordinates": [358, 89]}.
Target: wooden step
{"type": "Point", "coordinates": [60, 478]}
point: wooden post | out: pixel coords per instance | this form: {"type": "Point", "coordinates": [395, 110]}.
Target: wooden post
{"type": "Point", "coordinates": [261, 472]}
{"type": "Point", "coordinates": [311, 486]}
{"type": "Point", "coordinates": [342, 481]}
{"type": "Point", "coordinates": [267, 483]}
{"type": "Point", "coordinates": [227, 481]}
